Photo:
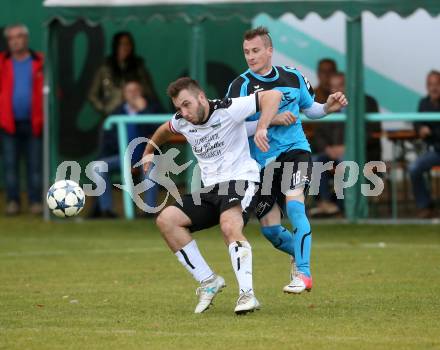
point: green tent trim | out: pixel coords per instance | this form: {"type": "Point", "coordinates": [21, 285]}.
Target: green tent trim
{"type": "Point", "coordinates": [197, 11]}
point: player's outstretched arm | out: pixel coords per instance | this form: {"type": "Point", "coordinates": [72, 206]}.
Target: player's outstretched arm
{"type": "Point", "coordinates": [315, 111]}
{"type": "Point", "coordinates": [335, 103]}
{"type": "Point", "coordinates": [269, 102]}
{"type": "Point", "coordinates": [160, 137]}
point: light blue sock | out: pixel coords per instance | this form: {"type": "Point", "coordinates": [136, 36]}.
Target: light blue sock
{"type": "Point", "coordinates": [280, 237]}
{"type": "Point", "coordinates": [296, 211]}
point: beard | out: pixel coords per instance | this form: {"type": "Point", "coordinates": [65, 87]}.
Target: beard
{"type": "Point", "coordinates": [200, 114]}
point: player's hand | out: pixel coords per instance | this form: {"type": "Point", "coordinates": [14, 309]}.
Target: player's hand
{"type": "Point", "coordinates": [147, 160]}
{"type": "Point", "coordinates": [336, 102]}
{"type": "Point", "coordinates": [284, 118]}
{"type": "Point", "coordinates": [261, 139]}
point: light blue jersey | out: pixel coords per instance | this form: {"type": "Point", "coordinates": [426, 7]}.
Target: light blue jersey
{"type": "Point", "coordinates": [297, 95]}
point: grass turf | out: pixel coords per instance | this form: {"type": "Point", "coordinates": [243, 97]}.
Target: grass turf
{"type": "Point", "coordinates": [114, 285]}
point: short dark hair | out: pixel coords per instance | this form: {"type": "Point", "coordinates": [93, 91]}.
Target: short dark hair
{"type": "Point", "coordinates": [260, 31]}
{"type": "Point", "coordinates": [134, 81]}
{"type": "Point", "coordinates": [433, 72]}
{"type": "Point", "coordinates": [131, 81]}
{"type": "Point", "coordinates": [339, 74]}
{"type": "Point", "coordinates": [328, 60]}
{"type": "Point", "coordinates": [180, 84]}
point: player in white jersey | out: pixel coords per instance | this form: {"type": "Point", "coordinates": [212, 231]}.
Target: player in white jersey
{"type": "Point", "coordinates": [216, 132]}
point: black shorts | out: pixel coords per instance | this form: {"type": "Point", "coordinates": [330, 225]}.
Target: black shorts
{"type": "Point", "coordinates": [204, 207]}
{"type": "Point", "coordinates": [291, 170]}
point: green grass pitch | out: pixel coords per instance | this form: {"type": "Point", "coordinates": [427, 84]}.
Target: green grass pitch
{"type": "Point", "coordinates": [115, 285]}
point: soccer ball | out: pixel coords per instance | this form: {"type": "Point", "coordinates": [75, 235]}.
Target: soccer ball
{"type": "Point", "coordinates": [65, 198]}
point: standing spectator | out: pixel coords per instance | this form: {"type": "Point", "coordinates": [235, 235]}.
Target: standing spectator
{"type": "Point", "coordinates": [326, 68]}
{"type": "Point", "coordinates": [122, 65]}
{"type": "Point", "coordinates": [134, 104]}
{"type": "Point", "coordinates": [430, 133]}
{"type": "Point", "coordinates": [373, 145]}
{"type": "Point", "coordinates": [21, 117]}
{"type": "Point", "coordinates": [329, 138]}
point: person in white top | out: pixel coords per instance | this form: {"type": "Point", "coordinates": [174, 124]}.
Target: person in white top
{"type": "Point", "coordinates": [217, 134]}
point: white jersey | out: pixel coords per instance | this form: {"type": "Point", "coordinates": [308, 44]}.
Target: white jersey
{"type": "Point", "coordinates": [220, 144]}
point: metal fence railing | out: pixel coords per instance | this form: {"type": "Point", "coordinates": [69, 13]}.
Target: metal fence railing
{"type": "Point", "coordinates": [120, 121]}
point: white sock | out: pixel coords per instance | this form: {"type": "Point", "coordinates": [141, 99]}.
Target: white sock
{"type": "Point", "coordinates": [193, 261]}
{"type": "Point", "coordinates": [241, 259]}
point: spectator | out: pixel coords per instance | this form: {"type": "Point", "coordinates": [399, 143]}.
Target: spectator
{"type": "Point", "coordinates": [430, 133]}
{"type": "Point", "coordinates": [121, 66]}
{"type": "Point", "coordinates": [329, 138]}
{"type": "Point", "coordinates": [21, 118]}
{"type": "Point", "coordinates": [326, 68]}
{"type": "Point", "coordinates": [134, 103]}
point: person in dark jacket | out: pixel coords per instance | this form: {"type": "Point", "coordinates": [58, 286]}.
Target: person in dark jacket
{"type": "Point", "coordinates": [21, 118]}
{"type": "Point", "coordinates": [134, 104]}
{"type": "Point", "coordinates": [329, 143]}
{"type": "Point", "coordinates": [430, 133]}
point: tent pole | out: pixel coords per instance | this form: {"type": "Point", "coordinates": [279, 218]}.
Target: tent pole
{"type": "Point", "coordinates": [356, 205]}
{"type": "Point", "coordinates": [198, 58]}
{"type": "Point", "coordinates": [197, 71]}
{"type": "Point", "coordinates": [126, 171]}
{"type": "Point", "coordinates": [46, 124]}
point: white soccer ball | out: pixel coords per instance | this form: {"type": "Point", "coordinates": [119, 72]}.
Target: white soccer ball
{"type": "Point", "coordinates": [65, 198]}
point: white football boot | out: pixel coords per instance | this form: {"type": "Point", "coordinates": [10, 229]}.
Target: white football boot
{"type": "Point", "coordinates": [246, 303]}
{"type": "Point", "coordinates": [298, 281]}
{"type": "Point", "coordinates": [207, 292]}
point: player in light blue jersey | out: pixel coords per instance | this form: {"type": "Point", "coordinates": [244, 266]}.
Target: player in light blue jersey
{"type": "Point", "coordinates": [283, 152]}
